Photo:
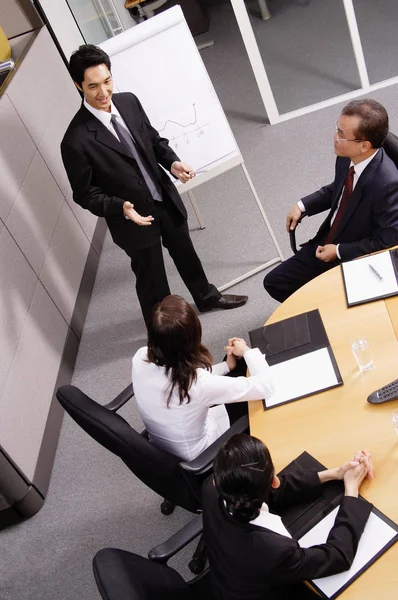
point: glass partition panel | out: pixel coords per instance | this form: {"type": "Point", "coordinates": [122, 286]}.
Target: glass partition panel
{"type": "Point", "coordinates": [306, 50]}
{"type": "Point", "coordinates": [378, 28]}
{"type": "Point", "coordinates": [97, 19]}
{"type": "Point", "coordinates": [229, 67]}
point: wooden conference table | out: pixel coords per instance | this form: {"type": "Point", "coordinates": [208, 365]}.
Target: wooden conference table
{"type": "Point", "coordinates": [332, 425]}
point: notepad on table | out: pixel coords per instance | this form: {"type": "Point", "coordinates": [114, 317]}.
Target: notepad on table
{"type": "Point", "coordinates": [302, 376]}
{"type": "Point", "coordinates": [379, 534]}
{"type": "Point", "coordinates": [371, 277]}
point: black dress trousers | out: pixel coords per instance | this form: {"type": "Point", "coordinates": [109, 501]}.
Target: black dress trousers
{"type": "Point", "coordinates": [148, 264]}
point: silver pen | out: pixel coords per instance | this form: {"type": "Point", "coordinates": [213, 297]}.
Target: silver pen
{"type": "Point", "coordinates": [375, 272]}
{"type": "Point", "coordinates": [198, 172]}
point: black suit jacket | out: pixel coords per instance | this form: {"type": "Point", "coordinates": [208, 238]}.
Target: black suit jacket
{"type": "Point", "coordinates": [255, 563]}
{"type": "Point", "coordinates": [370, 221]}
{"type": "Point", "coordinates": [103, 175]}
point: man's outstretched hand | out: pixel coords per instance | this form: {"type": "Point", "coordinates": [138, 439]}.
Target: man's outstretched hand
{"type": "Point", "coordinates": [130, 213]}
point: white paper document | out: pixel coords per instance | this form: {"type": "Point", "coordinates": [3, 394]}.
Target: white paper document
{"type": "Point", "coordinates": [376, 535]}
{"type": "Point", "coordinates": [302, 376]}
{"type": "Point", "coordinates": [362, 282]}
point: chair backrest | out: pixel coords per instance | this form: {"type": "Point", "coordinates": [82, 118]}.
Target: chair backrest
{"type": "Point", "coordinates": [122, 575]}
{"type": "Point", "coordinates": [156, 468]}
{"type": "Point", "coordinates": [390, 146]}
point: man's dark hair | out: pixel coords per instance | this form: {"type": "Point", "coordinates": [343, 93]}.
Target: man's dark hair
{"type": "Point", "coordinates": [85, 57]}
{"type": "Point", "coordinates": [373, 124]}
{"type": "Point", "coordinates": [243, 474]}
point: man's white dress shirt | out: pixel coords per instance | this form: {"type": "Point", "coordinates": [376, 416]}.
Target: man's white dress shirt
{"type": "Point", "coordinates": [105, 117]}
{"type": "Point", "coordinates": [189, 428]}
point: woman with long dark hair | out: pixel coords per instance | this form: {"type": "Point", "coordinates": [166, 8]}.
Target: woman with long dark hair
{"type": "Point", "coordinates": [180, 394]}
{"type": "Point", "coordinates": [251, 553]}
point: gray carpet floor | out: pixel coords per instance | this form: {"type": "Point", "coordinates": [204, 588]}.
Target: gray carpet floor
{"type": "Point", "coordinates": [93, 501]}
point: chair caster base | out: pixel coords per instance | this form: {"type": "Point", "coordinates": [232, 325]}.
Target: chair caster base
{"type": "Point", "coordinates": [167, 507]}
{"type": "Point", "coordinates": [197, 565]}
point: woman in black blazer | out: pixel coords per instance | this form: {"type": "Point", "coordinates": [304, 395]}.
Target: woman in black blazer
{"type": "Point", "coordinates": [251, 554]}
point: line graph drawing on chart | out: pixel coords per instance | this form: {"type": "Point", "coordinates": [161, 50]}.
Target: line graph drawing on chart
{"type": "Point", "coordinates": [186, 132]}
{"type": "Point", "coordinates": [195, 130]}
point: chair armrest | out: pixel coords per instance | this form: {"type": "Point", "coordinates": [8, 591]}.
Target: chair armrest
{"type": "Point", "coordinates": [292, 234]}
{"type": "Point", "coordinates": [203, 462]}
{"type": "Point", "coordinates": [121, 399]}
{"type": "Point", "coordinates": [179, 540]}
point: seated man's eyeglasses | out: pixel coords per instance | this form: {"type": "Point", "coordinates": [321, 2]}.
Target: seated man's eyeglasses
{"type": "Point", "coordinates": [340, 138]}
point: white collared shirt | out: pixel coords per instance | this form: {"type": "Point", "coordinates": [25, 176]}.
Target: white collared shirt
{"type": "Point", "coordinates": [105, 117]}
{"type": "Point", "coordinates": [270, 521]}
{"type": "Point", "coordinates": [358, 170]}
{"type": "Point", "coordinates": [187, 429]}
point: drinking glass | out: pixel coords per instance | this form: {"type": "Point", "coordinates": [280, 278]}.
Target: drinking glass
{"type": "Point", "coordinates": [363, 354]}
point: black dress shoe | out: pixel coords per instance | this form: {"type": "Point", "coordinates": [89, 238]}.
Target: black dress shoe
{"type": "Point", "coordinates": [225, 302]}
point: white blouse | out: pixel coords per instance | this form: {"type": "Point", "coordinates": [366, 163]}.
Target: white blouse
{"type": "Point", "coordinates": [187, 429]}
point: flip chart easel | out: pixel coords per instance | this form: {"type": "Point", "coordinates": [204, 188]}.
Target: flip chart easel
{"type": "Point", "coordinates": [182, 105]}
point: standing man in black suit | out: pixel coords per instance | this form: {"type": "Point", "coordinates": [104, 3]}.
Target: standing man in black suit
{"type": "Point", "coordinates": [251, 553]}
{"type": "Point", "coordinates": [112, 154]}
{"type": "Point", "coordinates": [362, 202]}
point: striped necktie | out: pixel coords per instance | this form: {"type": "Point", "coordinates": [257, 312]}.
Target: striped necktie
{"type": "Point", "coordinates": [128, 143]}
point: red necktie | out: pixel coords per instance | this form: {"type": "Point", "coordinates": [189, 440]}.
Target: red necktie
{"type": "Point", "coordinates": [347, 193]}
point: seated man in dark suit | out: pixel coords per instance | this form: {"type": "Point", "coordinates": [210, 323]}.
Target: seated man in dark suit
{"type": "Point", "coordinates": [251, 554]}
{"type": "Point", "coordinates": [362, 202]}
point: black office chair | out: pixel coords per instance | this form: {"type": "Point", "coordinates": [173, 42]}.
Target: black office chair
{"type": "Point", "coordinates": [179, 482]}
{"type": "Point", "coordinates": [122, 575]}
{"type": "Point", "coordinates": [390, 146]}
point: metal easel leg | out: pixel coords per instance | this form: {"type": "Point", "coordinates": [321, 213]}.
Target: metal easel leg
{"type": "Point", "coordinates": [265, 14]}
{"type": "Point", "coordinates": [196, 210]}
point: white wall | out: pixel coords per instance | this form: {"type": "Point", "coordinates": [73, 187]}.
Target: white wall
{"type": "Point", "coordinates": [45, 239]}
{"type": "Point", "coordinates": [63, 25]}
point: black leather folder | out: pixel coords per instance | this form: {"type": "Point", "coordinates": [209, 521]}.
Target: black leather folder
{"type": "Point", "coordinates": [294, 337]}
{"type": "Point", "coordinates": [302, 517]}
